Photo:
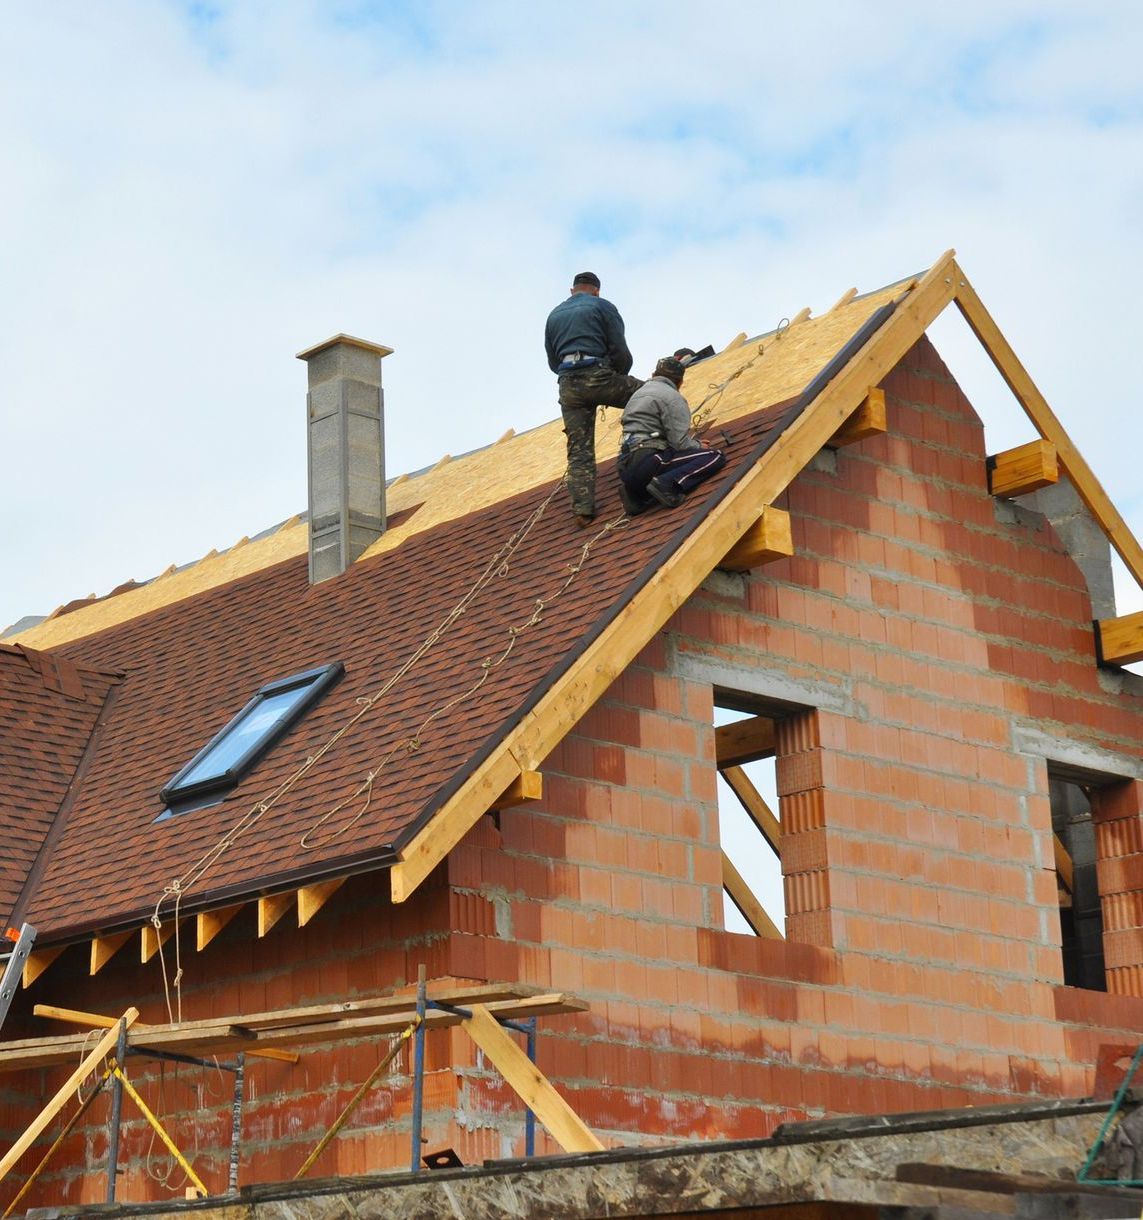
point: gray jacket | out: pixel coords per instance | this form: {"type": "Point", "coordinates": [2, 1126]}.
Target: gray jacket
{"type": "Point", "coordinates": [658, 408]}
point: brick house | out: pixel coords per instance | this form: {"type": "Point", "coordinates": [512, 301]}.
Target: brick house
{"type": "Point", "coordinates": [493, 750]}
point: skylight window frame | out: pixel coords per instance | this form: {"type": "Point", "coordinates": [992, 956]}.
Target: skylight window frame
{"type": "Point", "coordinates": [180, 798]}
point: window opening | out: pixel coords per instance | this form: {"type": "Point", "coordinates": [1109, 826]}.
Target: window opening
{"type": "Point", "coordinates": [222, 762]}
{"type": "Point", "coordinates": [1081, 916]}
{"type": "Point", "coordinates": [749, 829]}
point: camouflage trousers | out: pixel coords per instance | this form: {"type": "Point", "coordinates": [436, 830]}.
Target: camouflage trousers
{"type": "Point", "coordinates": [580, 394]}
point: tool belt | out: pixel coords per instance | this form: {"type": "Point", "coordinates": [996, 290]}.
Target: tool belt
{"type": "Point", "coordinates": [633, 444]}
{"type": "Point", "coordinates": [575, 362]}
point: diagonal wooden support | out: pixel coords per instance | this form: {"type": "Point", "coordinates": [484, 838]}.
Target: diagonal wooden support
{"type": "Point", "coordinates": [564, 1125]}
{"type": "Point", "coordinates": [209, 923]}
{"type": "Point", "coordinates": [747, 902]}
{"type": "Point", "coordinates": [271, 908]}
{"type": "Point", "coordinates": [38, 961]}
{"type": "Point", "coordinates": [103, 948]}
{"type": "Point", "coordinates": [311, 898]}
{"type": "Point", "coordinates": [755, 805]}
{"type": "Point", "coordinates": [90, 1062]}
{"type": "Point", "coordinates": [154, 940]}
{"type": "Point", "coordinates": [1049, 427]}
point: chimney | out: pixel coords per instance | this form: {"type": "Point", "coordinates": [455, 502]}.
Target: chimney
{"type": "Point", "coordinates": [346, 445]}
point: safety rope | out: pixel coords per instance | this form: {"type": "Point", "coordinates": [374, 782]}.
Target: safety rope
{"type": "Point", "coordinates": [497, 566]}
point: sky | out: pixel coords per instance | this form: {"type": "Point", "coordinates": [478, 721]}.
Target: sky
{"type": "Point", "coordinates": [193, 192]}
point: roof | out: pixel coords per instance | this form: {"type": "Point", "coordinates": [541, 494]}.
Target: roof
{"type": "Point", "coordinates": [47, 716]}
{"type": "Point", "coordinates": [474, 633]}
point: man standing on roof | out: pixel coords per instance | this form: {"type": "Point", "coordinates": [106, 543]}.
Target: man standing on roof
{"type": "Point", "coordinates": [587, 350]}
{"type": "Point", "coordinates": [659, 459]}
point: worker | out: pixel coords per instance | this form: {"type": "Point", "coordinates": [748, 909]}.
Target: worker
{"type": "Point", "coordinates": [659, 459]}
{"type": "Point", "coordinates": [587, 350]}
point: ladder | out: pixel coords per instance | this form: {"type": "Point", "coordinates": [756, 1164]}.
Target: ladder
{"type": "Point", "coordinates": [14, 965]}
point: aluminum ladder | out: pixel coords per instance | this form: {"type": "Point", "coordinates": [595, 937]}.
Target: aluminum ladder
{"type": "Point", "coordinates": [14, 965]}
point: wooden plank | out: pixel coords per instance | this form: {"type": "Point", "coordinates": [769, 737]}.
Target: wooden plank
{"type": "Point", "coordinates": [152, 940]}
{"type": "Point", "coordinates": [227, 1035]}
{"type": "Point", "coordinates": [769, 538]}
{"type": "Point", "coordinates": [755, 805]}
{"type": "Point", "coordinates": [103, 948]}
{"type": "Point", "coordinates": [1027, 468]}
{"type": "Point", "coordinates": [271, 908]}
{"type": "Point", "coordinates": [735, 343]}
{"type": "Point", "coordinates": [208, 924]}
{"type": "Point", "coordinates": [561, 707]}
{"type": "Point", "coordinates": [1048, 426]}
{"type": "Point", "coordinates": [527, 786]}
{"type": "Point", "coordinates": [564, 1125]}
{"type": "Point", "coordinates": [38, 961]}
{"type": "Point", "coordinates": [1119, 641]}
{"type": "Point", "coordinates": [90, 1062]}
{"type": "Point", "coordinates": [870, 419]}
{"type": "Point", "coordinates": [311, 898]}
{"type": "Point", "coordinates": [801, 316]}
{"type": "Point", "coordinates": [744, 741]}
{"type": "Point", "coordinates": [747, 902]}
{"type": "Point", "coordinates": [1064, 867]}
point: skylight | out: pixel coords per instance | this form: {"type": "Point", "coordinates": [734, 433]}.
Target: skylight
{"type": "Point", "coordinates": [223, 761]}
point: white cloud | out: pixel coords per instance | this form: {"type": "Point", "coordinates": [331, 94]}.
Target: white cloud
{"type": "Point", "coordinates": [189, 201]}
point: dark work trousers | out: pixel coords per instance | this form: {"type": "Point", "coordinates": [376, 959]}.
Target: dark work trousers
{"type": "Point", "coordinates": [580, 394]}
{"type": "Point", "coordinates": [681, 472]}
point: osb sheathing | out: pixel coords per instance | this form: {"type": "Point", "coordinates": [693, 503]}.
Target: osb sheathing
{"type": "Point", "coordinates": [759, 372]}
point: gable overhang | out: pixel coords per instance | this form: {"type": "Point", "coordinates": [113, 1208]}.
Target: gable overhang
{"type": "Point", "coordinates": [688, 558]}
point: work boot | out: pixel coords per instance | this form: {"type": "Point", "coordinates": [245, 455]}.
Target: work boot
{"type": "Point", "coordinates": [583, 520]}
{"type": "Point", "coordinates": [633, 505]}
{"type": "Point", "coordinates": [667, 496]}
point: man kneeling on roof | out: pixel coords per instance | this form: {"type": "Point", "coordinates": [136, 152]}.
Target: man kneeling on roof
{"type": "Point", "coordinates": [659, 459]}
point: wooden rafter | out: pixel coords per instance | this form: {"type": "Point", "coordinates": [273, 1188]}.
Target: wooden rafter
{"type": "Point", "coordinates": [564, 1125]}
{"type": "Point", "coordinates": [271, 908]}
{"type": "Point", "coordinates": [38, 961]}
{"type": "Point", "coordinates": [311, 898]}
{"type": "Point", "coordinates": [1120, 640]}
{"type": "Point", "coordinates": [769, 538]}
{"type": "Point", "coordinates": [103, 948]}
{"type": "Point", "coordinates": [744, 741]}
{"type": "Point", "coordinates": [755, 805]}
{"type": "Point", "coordinates": [1027, 468]}
{"type": "Point", "coordinates": [154, 939]}
{"type": "Point", "coordinates": [747, 903]}
{"type": "Point", "coordinates": [209, 923]}
{"type": "Point", "coordinates": [1049, 427]}
{"type": "Point", "coordinates": [593, 671]}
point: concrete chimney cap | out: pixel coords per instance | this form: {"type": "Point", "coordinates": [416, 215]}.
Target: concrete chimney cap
{"type": "Point", "coordinates": [380, 349]}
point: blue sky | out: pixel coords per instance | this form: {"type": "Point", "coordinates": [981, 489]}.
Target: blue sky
{"type": "Point", "coordinates": [194, 192]}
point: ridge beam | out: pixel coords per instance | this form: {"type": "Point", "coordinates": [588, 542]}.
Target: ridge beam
{"type": "Point", "coordinates": [769, 538]}
{"type": "Point", "coordinates": [1119, 641]}
{"type": "Point", "coordinates": [1027, 468]}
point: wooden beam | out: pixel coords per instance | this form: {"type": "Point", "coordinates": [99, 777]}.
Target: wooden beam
{"type": "Point", "coordinates": [103, 948]}
{"type": "Point", "coordinates": [648, 609]}
{"type": "Point", "coordinates": [743, 741]}
{"type": "Point", "coordinates": [311, 898]}
{"type": "Point", "coordinates": [153, 941]}
{"type": "Point", "coordinates": [564, 1125]}
{"type": "Point", "coordinates": [735, 343]}
{"type": "Point", "coordinates": [1027, 468]}
{"type": "Point", "coordinates": [527, 786]}
{"type": "Point", "coordinates": [38, 961]}
{"type": "Point", "coordinates": [755, 805]}
{"type": "Point", "coordinates": [870, 419]}
{"type": "Point", "coordinates": [1048, 426]}
{"type": "Point", "coordinates": [208, 924]}
{"type": "Point", "coordinates": [1064, 867]}
{"type": "Point", "coordinates": [769, 538]}
{"type": "Point", "coordinates": [90, 1062]}
{"type": "Point", "coordinates": [844, 299]}
{"type": "Point", "coordinates": [748, 905]}
{"type": "Point", "coordinates": [271, 908]}
{"type": "Point", "coordinates": [1119, 641]}
{"type": "Point", "coordinates": [265, 1032]}
{"type": "Point", "coordinates": [802, 315]}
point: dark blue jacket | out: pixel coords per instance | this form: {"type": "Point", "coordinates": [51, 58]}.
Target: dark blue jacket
{"type": "Point", "coordinates": [588, 324]}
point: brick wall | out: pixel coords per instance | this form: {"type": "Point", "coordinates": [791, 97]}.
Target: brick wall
{"type": "Point", "coordinates": [929, 630]}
